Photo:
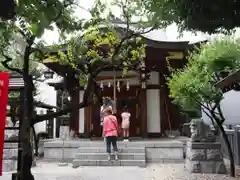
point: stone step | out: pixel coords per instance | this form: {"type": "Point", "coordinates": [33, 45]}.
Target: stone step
{"type": "Point", "coordinates": [103, 156]}
{"type": "Point", "coordinates": [78, 163]}
{"type": "Point", "coordinates": [103, 150]}
{"type": "Point", "coordinates": [120, 144]}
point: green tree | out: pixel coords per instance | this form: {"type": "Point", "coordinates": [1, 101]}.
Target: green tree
{"type": "Point", "coordinates": [34, 17]}
{"type": "Point", "coordinates": [194, 85]}
{"type": "Point", "coordinates": [31, 20]}
{"type": "Point", "coordinates": [105, 43]}
{"type": "Point", "coordinates": [194, 15]}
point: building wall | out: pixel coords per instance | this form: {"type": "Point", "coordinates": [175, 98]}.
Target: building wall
{"type": "Point", "coordinates": [153, 105]}
{"type": "Point", "coordinates": [153, 111]}
{"type": "Point", "coordinates": [48, 95]}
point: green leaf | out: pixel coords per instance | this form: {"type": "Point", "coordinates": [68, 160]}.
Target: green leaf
{"type": "Point", "coordinates": [33, 28]}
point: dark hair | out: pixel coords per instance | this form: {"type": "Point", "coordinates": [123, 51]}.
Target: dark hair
{"type": "Point", "coordinates": [108, 111]}
{"type": "Point", "coordinates": [125, 108]}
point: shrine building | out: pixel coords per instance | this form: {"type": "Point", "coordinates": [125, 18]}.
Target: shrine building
{"type": "Point", "coordinates": [152, 112]}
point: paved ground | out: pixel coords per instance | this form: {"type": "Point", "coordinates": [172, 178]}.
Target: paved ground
{"type": "Point", "coordinates": [50, 171]}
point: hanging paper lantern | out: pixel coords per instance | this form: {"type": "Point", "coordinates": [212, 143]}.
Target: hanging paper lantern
{"type": "Point", "coordinates": [143, 85]}
{"type": "Point", "coordinates": [109, 84]}
{"type": "Point", "coordinates": [101, 85]}
{"type": "Point", "coordinates": [127, 86]}
{"type": "Point", "coordinates": [118, 86]}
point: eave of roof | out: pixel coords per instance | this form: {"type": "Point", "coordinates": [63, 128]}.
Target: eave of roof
{"type": "Point", "coordinates": [227, 83]}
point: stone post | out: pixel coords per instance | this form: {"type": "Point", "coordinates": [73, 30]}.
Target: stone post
{"type": "Point", "coordinates": [204, 157]}
{"type": "Point", "coordinates": [236, 149]}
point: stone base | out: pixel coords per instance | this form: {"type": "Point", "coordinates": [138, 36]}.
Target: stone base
{"type": "Point", "coordinates": [9, 165]}
{"type": "Point", "coordinates": [204, 158]}
{"type": "Point", "coordinates": [10, 159]}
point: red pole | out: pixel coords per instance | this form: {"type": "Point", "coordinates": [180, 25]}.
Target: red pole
{"type": "Point", "coordinates": [4, 82]}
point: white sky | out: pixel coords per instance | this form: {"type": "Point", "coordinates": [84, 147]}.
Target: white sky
{"type": "Point", "coordinates": [170, 34]}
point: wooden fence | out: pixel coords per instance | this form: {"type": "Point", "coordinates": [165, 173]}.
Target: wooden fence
{"type": "Point", "coordinates": [234, 139]}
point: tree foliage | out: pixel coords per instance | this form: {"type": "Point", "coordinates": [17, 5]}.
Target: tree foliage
{"type": "Point", "coordinates": [194, 85]}
{"type": "Point", "coordinates": [20, 36]}
{"type": "Point", "coordinates": [194, 15]}
{"type": "Point", "coordinates": [102, 44]}
{"type": "Point", "coordinates": [98, 46]}
{"type": "Point", "coordinates": [18, 39]}
{"type": "Point", "coordinates": [103, 48]}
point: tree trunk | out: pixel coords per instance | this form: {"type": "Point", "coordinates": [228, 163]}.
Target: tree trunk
{"type": "Point", "coordinates": [227, 143]}
{"type": "Point", "coordinates": [27, 159]}
{"type": "Point", "coordinates": [25, 140]}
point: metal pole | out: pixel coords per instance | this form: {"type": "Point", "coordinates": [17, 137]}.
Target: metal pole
{"type": "Point", "coordinates": [62, 163]}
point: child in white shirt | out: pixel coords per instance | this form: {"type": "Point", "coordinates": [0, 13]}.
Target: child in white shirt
{"type": "Point", "coordinates": [125, 123]}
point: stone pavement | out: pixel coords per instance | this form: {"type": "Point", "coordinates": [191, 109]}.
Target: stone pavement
{"type": "Point", "coordinates": [51, 171]}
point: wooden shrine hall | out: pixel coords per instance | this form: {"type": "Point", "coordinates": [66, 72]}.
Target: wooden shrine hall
{"type": "Point", "coordinates": [152, 112]}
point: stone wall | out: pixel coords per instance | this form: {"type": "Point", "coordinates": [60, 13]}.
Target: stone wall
{"type": "Point", "coordinates": [10, 153]}
{"type": "Point", "coordinates": [204, 158]}
{"type": "Point", "coordinates": [158, 151]}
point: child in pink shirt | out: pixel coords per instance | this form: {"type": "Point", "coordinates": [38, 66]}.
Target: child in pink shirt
{"type": "Point", "coordinates": [110, 132]}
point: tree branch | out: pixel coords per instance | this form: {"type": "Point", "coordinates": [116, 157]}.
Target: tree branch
{"type": "Point", "coordinates": [204, 110]}
{"type": "Point", "coordinates": [221, 113]}
{"type": "Point", "coordinates": [84, 103]}
{"type": "Point", "coordinates": [129, 37]}
{"type": "Point", "coordinates": [6, 65]}
{"type": "Point", "coordinates": [35, 140]}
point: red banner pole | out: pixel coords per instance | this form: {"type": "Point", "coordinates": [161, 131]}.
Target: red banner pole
{"type": "Point", "coordinates": [4, 83]}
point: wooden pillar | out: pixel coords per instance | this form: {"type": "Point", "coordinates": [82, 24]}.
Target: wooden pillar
{"type": "Point", "coordinates": [57, 126]}
{"type": "Point", "coordinates": [87, 112]}
{"type": "Point", "coordinates": [143, 114]}
{"type": "Point", "coordinates": [162, 100]}
{"type": "Point", "coordinates": [50, 125]}
{"type": "Point", "coordinates": [74, 115]}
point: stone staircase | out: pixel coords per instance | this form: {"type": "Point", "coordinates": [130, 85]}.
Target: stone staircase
{"type": "Point", "coordinates": [95, 155]}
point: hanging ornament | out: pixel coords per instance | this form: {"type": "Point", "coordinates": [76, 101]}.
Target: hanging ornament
{"type": "Point", "coordinates": [143, 85]}
{"type": "Point", "coordinates": [118, 86]}
{"type": "Point", "coordinates": [127, 85]}
{"type": "Point", "coordinates": [101, 85]}
{"type": "Point", "coordinates": [109, 84]}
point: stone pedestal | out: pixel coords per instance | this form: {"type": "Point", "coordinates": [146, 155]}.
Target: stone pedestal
{"type": "Point", "coordinates": [204, 157]}
{"type": "Point", "coordinates": [10, 157]}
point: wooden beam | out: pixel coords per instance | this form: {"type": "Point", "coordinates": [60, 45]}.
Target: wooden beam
{"type": "Point", "coordinates": [228, 82]}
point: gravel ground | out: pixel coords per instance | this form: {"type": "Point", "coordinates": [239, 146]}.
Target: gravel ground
{"type": "Point", "coordinates": [177, 172]}
{"type": "Point", "coordinates": [51, 171]}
